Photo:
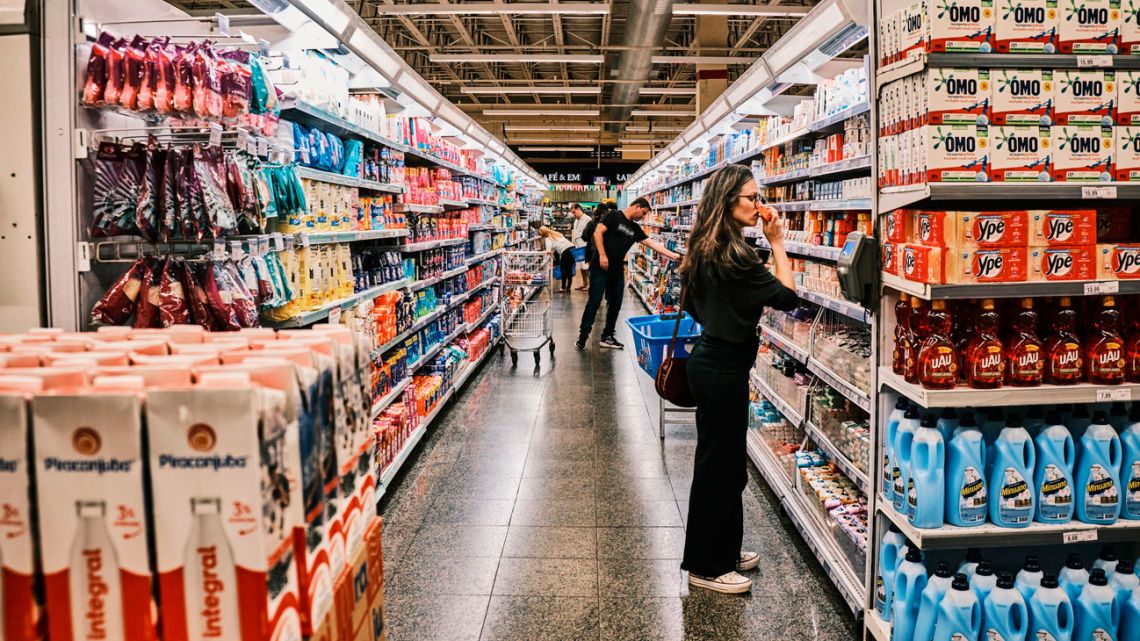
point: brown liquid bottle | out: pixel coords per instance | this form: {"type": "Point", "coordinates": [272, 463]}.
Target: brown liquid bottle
{"type": "Point", "coordinates": [916, 322]}
{"type": "Point", "coordinates": [902, 317]}
{"type": "Point", "coordinates": [1064, 364]}
{"type": "Point", "coordinates": [982, 354]}
{"type": "Point", "coordinates": [1025, 365]}
{"type": "Point", "coordinates": [937, 362]}
{"type": "Point", "coordinates": [1104, 347]}
{"type": "Point", "coordinates": [1132, 345]}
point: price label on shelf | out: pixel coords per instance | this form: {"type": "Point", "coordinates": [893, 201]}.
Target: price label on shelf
{"type": "Point", "coordinates": [278, 242]}
{"type": "Point", "coordinates": [1089, 62]}
{"type": "Point", "coordinates": [1097, 289]}
{"type": "Point", "coordinates": [334, 316]}
{"type": "Point", "coordinates": [1113, 394]}
{"type": "Point", "coordinates": [215, 134]}
{"type": "Point", "coordinates": [262, 147]}
{"type": "Point", "coordinates": [236, 250]}
{"type": "Point", "coordinates": [1079, 536]}
{"type": "Point", "coordinates": [1090, 192]}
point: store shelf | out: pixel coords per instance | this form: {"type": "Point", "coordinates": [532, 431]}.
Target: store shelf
{"type": "Point", "coordinates": [786, 138]}
{"type": "Point", "coordinates": [453, 204]}
{"type": "Point", "coordinates": [432, 244]}
{"type": "Point", "coordinates": [482, 227]}
{"type": "Point", "coordinates": [824, 205]}
{"type": "Point", "coordinates": [512, 243]}
{"type": "Point", "coordinates": [384, 401]}
{"type": "Point", "coordinates": [877, 628]}
{"type": "Point", "coordinates": [786, 177]}
{"type": "Point", "coordinates": [641, 297]}
{"type": "Point", "coordinates": [845, 465]}
{"type": "Point", "coordinates": [793, 415]}
{"type": "Point", "coordinates": [417, 326]}
{"type": "Point", "coordinates": [842, 166]}
{"type": "Point", "coordinates": [1004, 61]}
{"type": "Point", "coordinates": [1007, 396]}
{"type": "Point", "coordinates": [478, 258]}
{"type": "Point", "coordinates": [435, 349]}
{"type": "Point", "coordinates": [831, 122]}
{"type": "Point", "coordinates": [481, 201]}
{"type": "Point", "coordinates": [678, 205]}
{"type": "Point", "coordinates": [785, 343]}
{"type": "Point", "coordinates": [347, 181]}
{"type": "Point", "coordinates": [950, 537]}
{"type": "Point", "coordinates": [324, 238]}
{"type": "Point", "coordinates": [891, 198]}
{"type": "Point", "coordinates": [847, 308]}
{"type": "Point", "coordinates": [308, 318]}
{"type": "Point", "coordinates": [428, 282]}
{"type": "Point", "coordinates": [841, 385]}
{"type": "Point", "coordinates": [1011, 290]}
{"type": "Point", "coordinates": [419, 209]}
{"type": "Point", "coordinates": [798, 249]}
{"type": "Point", "coordinates": [474, 325]}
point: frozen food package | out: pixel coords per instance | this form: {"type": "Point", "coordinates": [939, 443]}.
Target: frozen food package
{"type": "Point", "coordinates": [146, 308]}
{"type": "Point", "coordinates": [219, 299]}
{"type": "Point", "coordinates": [166, 79]}
{"type": "Point", "coordinates": [184, 78]}
{"type": "Point", "coordinates": [196, 298]}
{"type": "Point", "coordinates": [116, 64]}
{"type": "Point", "coordinates": [211, 178]}
{"type": "Point", "coordinates": [146, 206]}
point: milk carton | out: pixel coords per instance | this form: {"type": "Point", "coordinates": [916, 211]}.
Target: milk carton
{"type": "Point", "coordinates": [960, 26]}
{"type": "Point", "coordinates": [1089, 27]}
{"type": "Point", "coordinates": [1128, 97]}
{"type": "Point", "coordinates": [1118, 262]}
{"type": "Point", "coordinates": [17, 556]}
{"type": "Point", "coordinates": [1085, 97]}
{"type": "Point", "coordinates": [1054, 228]}
{"type": "Point", "coordinates": [1083, 153]}
{"type": "Point", "coordinates": [1021, 153]}
{"type": "Point", "coordinates": [1130, 27]}
{"type": "Point", "coordinates": [996, 265]}
{"type": "Point", "coordinates": [1025, 26]}
{"type": "Point", "coordinates": [957, 96]}
{"type": "Point", "coordinates": [1062, 263]}
{"type": "Point", "coordinates": [1022, 96]}
{"type": "Point", "coordinates": [955, 153]}
{"type": "Point", "coordinates": [1128, 154]}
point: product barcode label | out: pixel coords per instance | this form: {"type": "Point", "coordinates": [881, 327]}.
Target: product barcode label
{"type": "Point", "coordinates": [334, 316]}
{"type": "Point", "coordinates": [1080, 536]}
{"type": "Point", "coordinates": [1094, 193]}
{"type": "Point", "coordinates": [1106, 395]}
{"type": "Point", "coordinates": [1085, 62]}
{"type": "Point", "coordinates": [1107, 287]}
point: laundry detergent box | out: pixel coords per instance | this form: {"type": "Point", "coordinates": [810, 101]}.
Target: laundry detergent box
{"type": "Point", "coordinates": [1089, 27]}
{"type": "Point", "coordinates": [955, 152]}
{"type": "Point", "coordinates": [1130, 27]}
{"type": "Point", "coordinates": [1083, 153]}
{"type": "Point", "coordinates": [911, 33]}
{"type": "Point", "coordinates": [1085, 96]}
{"type": "Point", "coordinates": [1025, 26]}
{"type": "Point", "coordinates": [1062, 263]}
{"type": "Point", "coordinates": [1127, 154]}
{"type": "Point", "coordinates": [922, 263]}
{"type": "Point", "coordinates": [960, 26]}
{"type": "Point", "coordinates": [92, 512]}
{"type": "Point", "coordinates": [1128, 97]}
{"type": "Point", "coordinates": [956, 95]}
{"type": "Point", "coordinates": [987, 265]}
{"type": "Point", "coordinates": [223, 463]}
{"type": "Point", "coordinates": [1120, 262]}
{"type": "Point", "coordinates": [991, 229]}
{"type": "Point", "coordinates": [1022, 96]}
{"type": "Point", "coordinates": [1021, 153]}
{"type": "Point", "coordinates": [1056, 227]}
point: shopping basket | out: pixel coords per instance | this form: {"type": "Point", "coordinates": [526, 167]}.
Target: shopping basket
{"type": "Point", "coordinates": [579, 256]}
{"type": "Point", "coordinates": [652, 334]}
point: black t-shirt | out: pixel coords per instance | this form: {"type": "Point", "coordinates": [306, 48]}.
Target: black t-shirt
{"type": "Point", "coordinates": [730, 309]}
{"type": "Point", "coordinates": [621, 233]}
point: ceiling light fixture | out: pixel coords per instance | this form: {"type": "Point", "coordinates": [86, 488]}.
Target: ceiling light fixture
{"type": "Point", "coordinates": [671, 113]}
{"type": "Point", "coordinates": [530, 90]}
{"type": "Point", "coordinates": [653, 129]}
{"type": "Point", "coordinates": [771, 10]}
{"type": "Point", "coordinates": [641, 141]}
{"type": "Point", "coordinates": [540, 112]}
{"type": "Point", "coordinates": [572, 141]}
{"type": "Point", "coordinates": [701, 60]}
{"type": "Point", "coordinates": [584, 149]}
{"type": "Point", "coordinates": [668, 91]}
{"type": "Point", "coordinates": [548, 128]}
{"type": "Point", "coordinates": [586, 59]}
{"type": "Point", "coordinates": [495, 8]}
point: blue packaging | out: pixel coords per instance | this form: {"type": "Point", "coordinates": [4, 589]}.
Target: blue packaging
{"type": "Point", "coordinates": [936, 588]}
{"type": "Point", "coordinates": [1097, 473]}
{"type": "Point", "coordinates": [959, 613]}
{"type": "Point", "coordinates": [904, 437]}
{"type": "Point", "coordinates": [1130, 466]}
{"type": "Point", "coordinates": [926, 490]}
{"type": "Point", "coordinates": [891, 552]}
{"type": "Point", "coordinates": [1053, 475]}
{"type": "Point", "coordinates": [1029, 577]}
{"type": "Point", "coordinates": [984, 581]}
{"type": "Point", "coordinates": [967, 499]}
{"type": "Point", "coordinates": [1050, 613]}
{"type": "Point", "coordinates": [1011, 495]}
{"type": "Point", "coordinates": [1096, 611]}
{"type": "Point", "coordinates": [910, 581]}
{"type": "Point", "coordinates": [1073, 577]}
{"type": "Point", "coordinates": [1004, 613]}
{"type": "Point", "coordinates": [893, 419]}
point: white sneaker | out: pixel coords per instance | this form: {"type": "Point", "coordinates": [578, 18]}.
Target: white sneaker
{"type": "Point", "coordinates": [730, 583]}
{"type": "Point", "coordinates": [748, 561]}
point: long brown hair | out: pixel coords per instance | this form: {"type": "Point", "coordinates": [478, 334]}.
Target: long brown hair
{"type": "Point", "coordinates": [717, 249]}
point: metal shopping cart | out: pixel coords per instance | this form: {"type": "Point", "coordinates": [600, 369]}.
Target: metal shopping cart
{"type": "Point", "coordinates": [527, 291]}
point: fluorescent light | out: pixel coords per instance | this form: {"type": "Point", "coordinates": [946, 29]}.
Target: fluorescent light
{"type": "Point", "coordinates": [530, 90]}
{"type": "Point", "coordinates": [517, 57]}
{"type": "Point", "coordinates": [701, 60]}
{"type": "Point", "coordinates": [573, 141]}
{"type": "Point", "coordinates": [687, 9]}
{"type": "Point", "coordinates": [556, 148]}
{"type": "Point", "coordinates": [667, 91]}
{"type": "Point", "coordinates": [495, 8]}
{"type": "Point", "coordinates": [641, 141]}
{"type": "Point", "coordinates": [633, 149]}
{"type": "Point", "coordinates": [548, 128]}
{"type": "Point", "coordinates": [540, 112]}
{"type": "Point", "coordinates": [816, 28]}
{"type": "Point", "coordinates": [654, 128]}
{"type": "Point", "coordinates": [664, 113]}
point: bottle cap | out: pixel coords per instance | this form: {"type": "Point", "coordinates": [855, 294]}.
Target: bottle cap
{"type": "Point", "coordinates": [1099, 417]}
{"type": "Point", "coordinates": [968, 420]}
{"type": "Point", "coordinates": [1032, 564]}
{"type": "Point", "coordinates": [1109, 301]}
{"type": "Point", "coordinates": [1124, 566]}
{"type": "Point", "coordinates": [961, 582]}
{"type": "Point", "coordinates": [1026, 303]}
{"type": "Point", "coordinates": [987, 303]}
{"type": "Point", "coordinates": [1074, 562]}
{"type": "Point", "coordinates": [911, 412]}
{"type": "Point", "coordinates": [973, 555]}
{"type": "Point", "coordinates": [929, 420]}
{"type": "Point", "coordinates": [901, 404]}
{"type": "Point", "coordinates": [913, 554]}
{"type": "Point", "coordinates": [915, 302]}
{"type": "Point", "coordinates": [1049, 581]}
{"type": "Point", "coordinates": [1108, 553]}
{"type": "Point", "coordinates": [1098, 577]}
{"type": "Point", "coordinates": [1005, 581]}
{"type": "Point", "coordinates": [1013, 420]}
{"type": "Point", "coordinates": [1053, 417]}
{"type": "Point", "coordinates": [949, 412]}
{"type": "Point", "coordinates": [943, 570]}
{"type": "Point", "coordinates": [984, 568]}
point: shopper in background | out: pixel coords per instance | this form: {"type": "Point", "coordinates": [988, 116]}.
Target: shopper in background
{"type": "Point", "coordinates": [726, 288]}
{"type": "Point", "coordinates": [581, 222]}
{"type": "Point", "coordinates": [563, 254]}
{"type": "Point", "coordinates": [613, 237]}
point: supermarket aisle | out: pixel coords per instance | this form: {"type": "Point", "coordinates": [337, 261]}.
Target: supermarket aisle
{"type": "Point", "coordinates": [546, 508]}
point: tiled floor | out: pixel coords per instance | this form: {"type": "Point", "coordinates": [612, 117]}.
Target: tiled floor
{"type": "Point", "coordinates": [544, 507]}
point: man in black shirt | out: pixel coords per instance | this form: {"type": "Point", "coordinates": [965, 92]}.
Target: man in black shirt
{"type": "Point", "coordinates": [613, 237]}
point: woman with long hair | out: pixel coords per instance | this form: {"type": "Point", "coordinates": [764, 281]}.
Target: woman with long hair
{"type": "Point", "coordinates": [726, 289]}
{"type": "Point", "coordinates": [563, 249]}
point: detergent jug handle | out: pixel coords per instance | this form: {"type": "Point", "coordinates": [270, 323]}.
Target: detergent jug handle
{"type": "Point", "coordinates": [1029, 454]}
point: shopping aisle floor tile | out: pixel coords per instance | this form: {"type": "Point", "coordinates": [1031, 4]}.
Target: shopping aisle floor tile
{"type": "Point", "coordinates": [544, 506]}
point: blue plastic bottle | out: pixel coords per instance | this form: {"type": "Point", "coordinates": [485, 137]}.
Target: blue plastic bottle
{"type": "Point", "coordinates": [1029, 577]}
{"type": "Point", "coordinates": [1124, 580]}
{"type": "Point", "coordinates": [1096, 611]}
{"type": "Point", "coordinates": [936, 588]}
{"type": "Point", "coordinates": [969, 564]}
{"type": "Point", "coordinates": [1097, 473]}
{"type": "Point", "coordinates": [1118, 416]}
{"type": "Point", "coordinates": [1106, 560]}
{"type": "Point", "coordinates": [1005, 615]}
{"type": "Point", "coordinates": [893, 419]}
{"type": "Point", "coordinates": [1034, 420]}
{"type": "Point", "coordinates": [947, 423]}
{"type": "Point", "coordinates": [1014, 458]}
{"type": "Point", "coordinates": [1074, 577]}
{"type": "Point", "coordinates": [1130, 466]}
{"type": "Point", "coordinates": [959, 613]}
{"type": "Point", "coordinates": [1053, 475]}
{"type": "Point", "coordinates": [891, 551]}
{"type": "Point", "coordinates": [926, 491]}
{"type": "Point", "coordinates": [910, 581]}
{"type": "Point", "coordinates": [984, 581]}
{"type": "Point", "coordinates": [991, 427]}
{"type": "Point", "coordinates": [904, 437]}
{"type": "Point", "coordinates": [966, 493]}
{"type": "Point", "coordinates": [1079, 421]}
{"type": "Point", "coordinates": [1050, 613]}
{"type": "Point", "coordinates": [1130, 618]}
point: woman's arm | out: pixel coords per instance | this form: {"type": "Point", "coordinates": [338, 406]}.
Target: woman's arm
{"type": "Point", "coordinates": [774, 232]}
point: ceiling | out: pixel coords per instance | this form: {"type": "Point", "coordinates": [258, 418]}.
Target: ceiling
{"type": "Point", "coordinates": [610, 44]}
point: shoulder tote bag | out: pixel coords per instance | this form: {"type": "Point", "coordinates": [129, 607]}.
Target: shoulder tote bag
{"type": "Point", "coordinates": [672, 383]}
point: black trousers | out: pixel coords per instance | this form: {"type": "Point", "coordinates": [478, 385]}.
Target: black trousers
{"type": "Point", "coordinates": [718, 375]}
{"type": "Point", "coordinates": [609, 283]}
{"type": "Point", "coordinates": [566, 266]}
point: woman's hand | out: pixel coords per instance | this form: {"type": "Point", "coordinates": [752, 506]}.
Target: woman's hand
{"type": "Point", "coordinates": [773, 225]}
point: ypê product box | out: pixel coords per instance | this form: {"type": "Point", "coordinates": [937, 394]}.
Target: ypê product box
{"type": "Point", "coordinates": [889, 260]}
{"type": "Point", "coordinates": [222, 463]}
{"type": "Point", "coordinates": [996, 265]}
{"type": "Point", "coordinates": [957, 95]}
{"type": "Point", "coordinates": [1121, 262]}
{"type": "Point", "coordinates": [1054, 228]}
{"type": "Point", "coordinates": [960, 25]}
{"type": "Point", "coordinates": [1022, 96]}
{"type": "Point", "coordinates": [1062, 263]}
{"type": "Point", "coordinates": [92, 514]}
{"type": "Point", "coordinates": [936, 228]}
{"type": "Point", "coordinates": [897, 225]}
{"type": "Point", "coordinates": [1083, 153]}
{"type": "Point", "coordinates": [1128, 97]}
{"type": "Point", "coordinates": [987, 230]}
{"type": "Point", "coordinates": [1085, 96]}
{"type": "Point", "coordinates": [955, 153]}
{"type": "Point", "coordinates": [1021, 153]}
{"type": "Point", "coordinates": [922, 263]}
{"type": "Point", "coordinates": [1089, 27]}
{"type": "Point", "coordinates": [1025, 26]}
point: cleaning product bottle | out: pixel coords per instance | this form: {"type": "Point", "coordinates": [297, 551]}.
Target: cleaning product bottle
{"type": "Point", "coordinates": [1079, 421]}
{"type": "Point", "coordinates": [1024, 365]}
{"type": "Point", "coordinates": [916, 326]}
{"type": "Point", "coordinates": [1029, 577]}
{"type": "Point", "coordinates": [991, 427]}
{"type": "Point", "coordinates": [1124, 580]}
{"type": "Point", "coordinates": [1050, 613]}
{"type": "Point", "coordinates": [1117, 416]}
{"type": "Point", "coordinates": [893, 420]}
{"type": "Point", "coordinates": [965, 325]}
{"type": "Point", "coordinates": [1097, 473]}
{"type": "Point", "coordinates": [983, 354]}
{"type": "Point", "coordinates": [891, 551]}
{"type": "Point", "coordinates": [1014, 459]}
{"type": "Point", "coordinates": [984, 581]}
{"type": "Point", "coordinates": [904, 438]}
{"type": "Point", "coordinates": [966, 498]}
{"type": "Point", "coordinates": [1104, 347]}
{"type": "Point", "coordinates": [1106, 560]}
{"type": "Point", "coordinates": [1063, 356]}
{"type": "Point", "coordinates": [937, 362]}
{"type": "Point", "coordinates": [947, 421]}
{"type": "Point", "coordinates": [1130, 618]}
{"type": "Point", "coordinates": [1096, 611]}
{"type": "Point", "coordinates": [1074, 577]}
{"type": "Point", "coordinates": [902, 317]}
{"type": "Point", "coordinates": [1034, 419]}
{"type": "Point", "coordinates": [927, 487]}
{"type": "Point", "coordinates": [1130, 466]}
{"type": "Point", "coordinates": [1053, 475]}
{"type": "Point", "coordinates": [1005, 615]}
{"type": "Point", "coordinates": [970, 562]}
{"type": "Point", "coordinates": [959, 613]}
{"type": "Point", "coordinates": [910, 582]}
{"type": "Point", "coordinates": [936, 588]}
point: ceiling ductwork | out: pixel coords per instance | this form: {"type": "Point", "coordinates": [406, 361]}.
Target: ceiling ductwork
{"type": "Point", "coordinates": [645, 30]}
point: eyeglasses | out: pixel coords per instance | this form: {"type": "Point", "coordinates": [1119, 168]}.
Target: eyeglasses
{"type": "Point", "coordinates": [754, 198]}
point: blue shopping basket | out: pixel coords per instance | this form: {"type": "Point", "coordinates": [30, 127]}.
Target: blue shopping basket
{"type": "Point", "coordinates": [579, 256]}
{"type": "Point", "coordinates": [651, 336]}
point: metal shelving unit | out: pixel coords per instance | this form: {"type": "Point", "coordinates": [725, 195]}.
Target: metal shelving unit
{"type": "Point", "coordinates": [324, 238]}
{"type": "Point", "coordinates": [384, 401]}
{"type": "Point", "coordinates": [428, 282]}
{"type": "Point", "coordinates": [877, 628]}
{"type": "Point", "coordinates": [478, 258]}
{"type": "Point", "coordinates": [799, 249]}
{"type": "Point", "coordinates": [432, 244]}
{"type": "Point", "coordinates": [1011, 290]}
{"type": "Point", "coordinates": [845, 465]}
{"type": "Point", "coordinates": [847, 308]}
{"type": "Point", "coordinates": [824, 205]}
{"type": "Point", "coordinates": [347, 181]}
{"type": "Point", "coordinates": [962, 396]}
{"type": "Point", "coordinates": [321, 313]}
{"type": "Point", "coordinates": [892, 198]}
{"type": "Point", "coordinates": [840, 384]}
{"type": "Point", "coordinates": [792, 414]}
{"type": "Point", "coordinates": [785, 343]}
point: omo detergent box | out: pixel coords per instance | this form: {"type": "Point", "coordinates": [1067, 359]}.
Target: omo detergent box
{"type": "Point", "coordinates": [1022, 96]}
{"type": "Point", "coordinates": [1128, 97]}
{"type": "Point", "coordinates": [1085, 96]}
{"type": "Point", "coordinates": [960, 26]}
{"type": "Point", "coordinates": [1120, 262]}
{"type": "Point", "coordinates": [1130, 27]}
{"type": "Point", "coordinates": [1083, 153]}
{"type": "Point", "coordinates": [1020, 153]}
{"type": "Point", "coordinates": [956, 95]}
{"type": "Point", "coordinates": [1062, 263]}
{"type": "Point", "coordinates": [911, 32]}
{"type": "Point", "coordinates": [1127, 154]}
{"type": "Point", "coordinates": [1051, 228]}
{"type": "Point", "coordinates": [955, 152]}
{"type": "Point", "coordinates": [1089, 27]}
{"type": "Point", "coordinates": [987, 265]}
{"type": "Point", "coordinates": [1025, 26]}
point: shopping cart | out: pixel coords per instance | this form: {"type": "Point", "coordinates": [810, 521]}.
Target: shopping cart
{"type": "Point", "coordinates": [527, 316]}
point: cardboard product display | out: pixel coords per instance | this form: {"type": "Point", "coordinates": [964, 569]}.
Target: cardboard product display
{"type": "Point", "coordinates": [1113, 224]}
{"type": "Point", "coordinates": [1062, 263]}
{"type": "Point", "coordinates": [359, 612]}
{"type": "Point", "coordinates": [1127, 154]}
{"type": "Point", "coordinates": [889, 257]}
{"type": "Point", "coordinates": [1026, 26]}
{"type": "Point", "coordinates": [1023, 96]}
{"type": "Point", "coordinates": [957, 95]}
{"type": "Point", "coordinates": [1084, 96]}
{"type": "Point", "coordinates": [1089, 27]}
{"type": "Point", "coordinates": [898, 225]}
{"type": "Point", "coordinates": [1130, 28]}
{"type": "Point", "coordinates": [1083, 153]}
{"type": "Point", "coordinates": [922, 263]}
{"type": "Point", "coordinates": [964, 26]}
{"type": "Point", "coordinates": [987, 265]}
{"type": "Point", "coordinates": [1128, 97]}
{"type": "Point", "coordinates": [1021, 153]}
{"type": "Point", "coordinates": [1118, 262]}
{"type": "Point", "coordinates": [990, 229]}
{"type": "Point", "coordinates": [955, 152]}
{"type": "Point", "coordinates": [935, 228]}
{"type": "Point", "coordinates": [1059, 228]}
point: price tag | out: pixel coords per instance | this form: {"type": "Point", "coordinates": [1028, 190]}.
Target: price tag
{"type": "Point", "coordinates": [303, 239]}
{"type": "Point", "coordinates": [215, 134]}
{"type": "Point", "coordinates": [278, 242]}
{"type": "Point", "coordinates": [223, 23]}
{"type": "Point", "coordinates": [1094, 193]}
{"type": "Point", "coordinates": [305, 155]}
{"type": "Point", "coordinates": [1086, 62]}
{"type": "Point", "coordinates": [1113, 394]}
{"type": "Point", "coordinates": [334, 316]}
{"type": "Point", "coordinates": [1106, 287]}
{"type": "Point", "coordinates": [1080, 536]}
{"type": "Point", "coordinates": [262, 147]}
{"type": "Point", "coordinates": [219, 251]}
{"type": "Point", "coordinates": [236, 251]}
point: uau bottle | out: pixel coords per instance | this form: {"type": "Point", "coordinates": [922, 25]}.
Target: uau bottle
{"type": "Point", "coordinates": [937, 363]}
{"type": "Point", "coordinates": [965, 318]}
{"type": "Point", "coordinates": [96, 594]}
{"type": "Point", "coordinates": [916, 323]}
{"type": "Point", "coordinates": [985, 362]}
{"type": "Point", "coordinates": [210, 576]}
{"type": "Point", "coordinates": [1104, 347]}
{"type": "Point", "coordinates": [1063, 362]}
{"type": "Point", "coordinates": [902, 317]}
{"type": "Point", "coordinates": [1024, 365]}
